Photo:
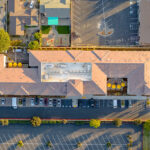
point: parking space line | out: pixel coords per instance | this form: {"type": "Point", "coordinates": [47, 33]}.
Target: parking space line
{"type": "Point", "coordinates": [123, 139]}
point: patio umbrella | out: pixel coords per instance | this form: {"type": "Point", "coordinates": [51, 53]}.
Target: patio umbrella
{"type": "Point", "coordinates": [123, 84]}
{"type": "Point", "coordinates": [108, 85]}
{"type": "Point", "coordinates": [14, 64]}
{"type": "Point", "coordinates": [118, 86]}
{"type": "Point", "coordinates": [113, 86]}
{"type": "Point", "coordinates": [19, 64]}
{"type": "Point", "coordinates": [10, 64]}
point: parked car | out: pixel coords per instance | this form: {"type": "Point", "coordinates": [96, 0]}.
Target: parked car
{"type": "Point", "coordinates": [46, 101]}
{"type": "Point", "coordinates": [51, 102]}
{"type": "Point", "coordinates": [14, 103]}
{"type": "Point", "coordinates": [3, 101]}
{"type": "Point", "coordinates": [122, 103]}
{"type": "Point", "coordinates": [32, 4]}
{"type": "Point", "coordinates": [24, 101]}
{"type": "Point", "coordinates": [114, 103]}
{"type": "Point", "coordinates": [36, 101]}
{"type": "Point", "coordinates": [130, 103]}
{"type": "Point", "coordinates": [58, 103]}
{"type": "Point", "coordinates": [54, 102]}
{"type": "Point", "coordinates": [74, 103]}
{"type": "Point", "coordinates": [92, 102]}
{"type": "Point", "coordinates": [32, 101]}
{"type": "Point", "coordinates": [41, 101]}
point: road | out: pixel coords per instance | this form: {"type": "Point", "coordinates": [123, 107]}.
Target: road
{"type": "Point", "coordinates": [75, 113]}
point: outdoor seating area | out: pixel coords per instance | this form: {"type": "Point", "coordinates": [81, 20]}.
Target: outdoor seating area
{"type": "Point", "coordinates": [117, 86]}
{"type": "Point", "coordinates": [14, 65]}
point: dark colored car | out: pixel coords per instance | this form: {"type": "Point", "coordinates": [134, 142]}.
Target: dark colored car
{"type": "Point", "coordinates": [46, 101]}
{"type": "Point", "coordinates": [36, 101]}
{"type": "Point", "coordinates": [24, 101]}
{"type": "Point", "coordinates": [92, 102]}
{"type": "Point", "coordinates": [54, 102]}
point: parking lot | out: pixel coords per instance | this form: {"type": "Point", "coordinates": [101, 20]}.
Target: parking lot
{"type": "Point", "coordinates": [66, 137]}
{"type": "Point", "coordinates": [69, 103]}
{"type": "Point", "coordinates": [104, 22]}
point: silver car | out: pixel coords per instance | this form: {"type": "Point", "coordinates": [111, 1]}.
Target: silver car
{"type": "Point", "coordinates": [50, 102]}
{"type": "Point", "coordinates": [3, 101]}
{"type": "Point", "coordinates": [130, 103]}
{"type": "Point", "coordinates": [58, 103]}
{"type": "Point", "coordinates": [32, 101]}
{"type": "Point", "coordinates": [41, 101]}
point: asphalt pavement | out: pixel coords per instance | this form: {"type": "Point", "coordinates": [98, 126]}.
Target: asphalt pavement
{"type": "Point", "coordinates": [137, 111]}
{"type": "Point", "coordinates": [66, 137]}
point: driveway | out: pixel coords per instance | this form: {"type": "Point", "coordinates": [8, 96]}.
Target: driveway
{"type": "Point", "coordinates": [137, 111]}
{"type": "Point", "coordinates": [66, 137]}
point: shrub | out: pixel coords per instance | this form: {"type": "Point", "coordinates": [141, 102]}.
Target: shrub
{"type": "Point", "coordinates": [20, 143]}
{"type": "Point", "coordinates": [95, 123]}
{"type": "Point", "coordinates": [79, 122]}
{"type": "Point", "coordinates": [33, 45]}
{"type": "Point", "coordinates": [59, 121]}
{"type": "Point", "coordinates": [36, 121]}
{"type": "Point", "coordinates": [138, 122]}
{"type": "Point", "coordinates": [79, 144]}
{"type": "Point", "coordinates": [118, 122]}
{"type": "Point", "coordinates": [37, 35]}
{"type": "Point", "coordinates": [65, 121]}
{"type": "Point", "coordinates": [45, 121]}
{"type": "Point", "coordinates": [108, 144]}
{"type": "Point", "coordinates": [49, 144]}
{"type": "Point", "coordinates": [4, 122]}
{"type": "Point", "coordinates": [147, 125]}
{"type": "Point", "coordinates": [52, 121]}
{"type": "Point", "coordinates": [148, 102]}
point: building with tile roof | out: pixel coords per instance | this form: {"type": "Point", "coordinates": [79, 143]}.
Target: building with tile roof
{"type": "Point", "coordinates": [132, 65]}
{"type": "Point", "coordinates": [20, 15]}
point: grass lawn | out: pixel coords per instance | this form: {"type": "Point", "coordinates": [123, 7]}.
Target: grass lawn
{"type": "Point", "coordinates": [45, 29]}
{"type": "Point", "coordinates": [63, 29]}
{"type": "Point", "coordinates": [146, 140]}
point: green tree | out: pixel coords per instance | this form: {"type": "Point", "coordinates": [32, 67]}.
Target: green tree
{"type": "Point", "coordinates": [65, 121]}
{"type": "Point", "coordinates": [49, 144]}
{"type": "Point", "coordinates": [79, 144]}
{"type": "Point", "coordinates": [118, 122]}
{"type": "Point", "coordinates": [138, 122]}
{"type": "Point", "coordinates": [95, 123]}
{"type": "Point", "coordinates": [4, 40]}
{"type": "Point", "coordinates": [36, 121]}
{"type": "Point", "coordinates": [4, 122]}
{"type": "Point", "coordinates": [20, 143]}
{"type": "Point", "coordinates": [33, 45]}
{"type": "Point", "coordinates": [37, 35]}
{"type": "Point", "coordinates": [108, 144]}
{"type": "Point", "coordinates": [147, 125]}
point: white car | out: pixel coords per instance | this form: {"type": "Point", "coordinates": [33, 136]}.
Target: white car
{"type": "Point", "coordinates": [130, 103]}
{"type": "Point", "coordinates": [41, 101]}
{"type": "Point", "coordinates": [50, 102]}
{"type": "Point", "coordinates": [58, 103]}
{"type": "Point", "coordinates": [32, 101]}
{"type": "Point", "coordinates": [3, 101]}
{"type": "Point", "coordinates": [115, 103]}
{"type": "Point", "coordinates": [32, 4]}
{"type": "Point", "coordinates": [74, 103]}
